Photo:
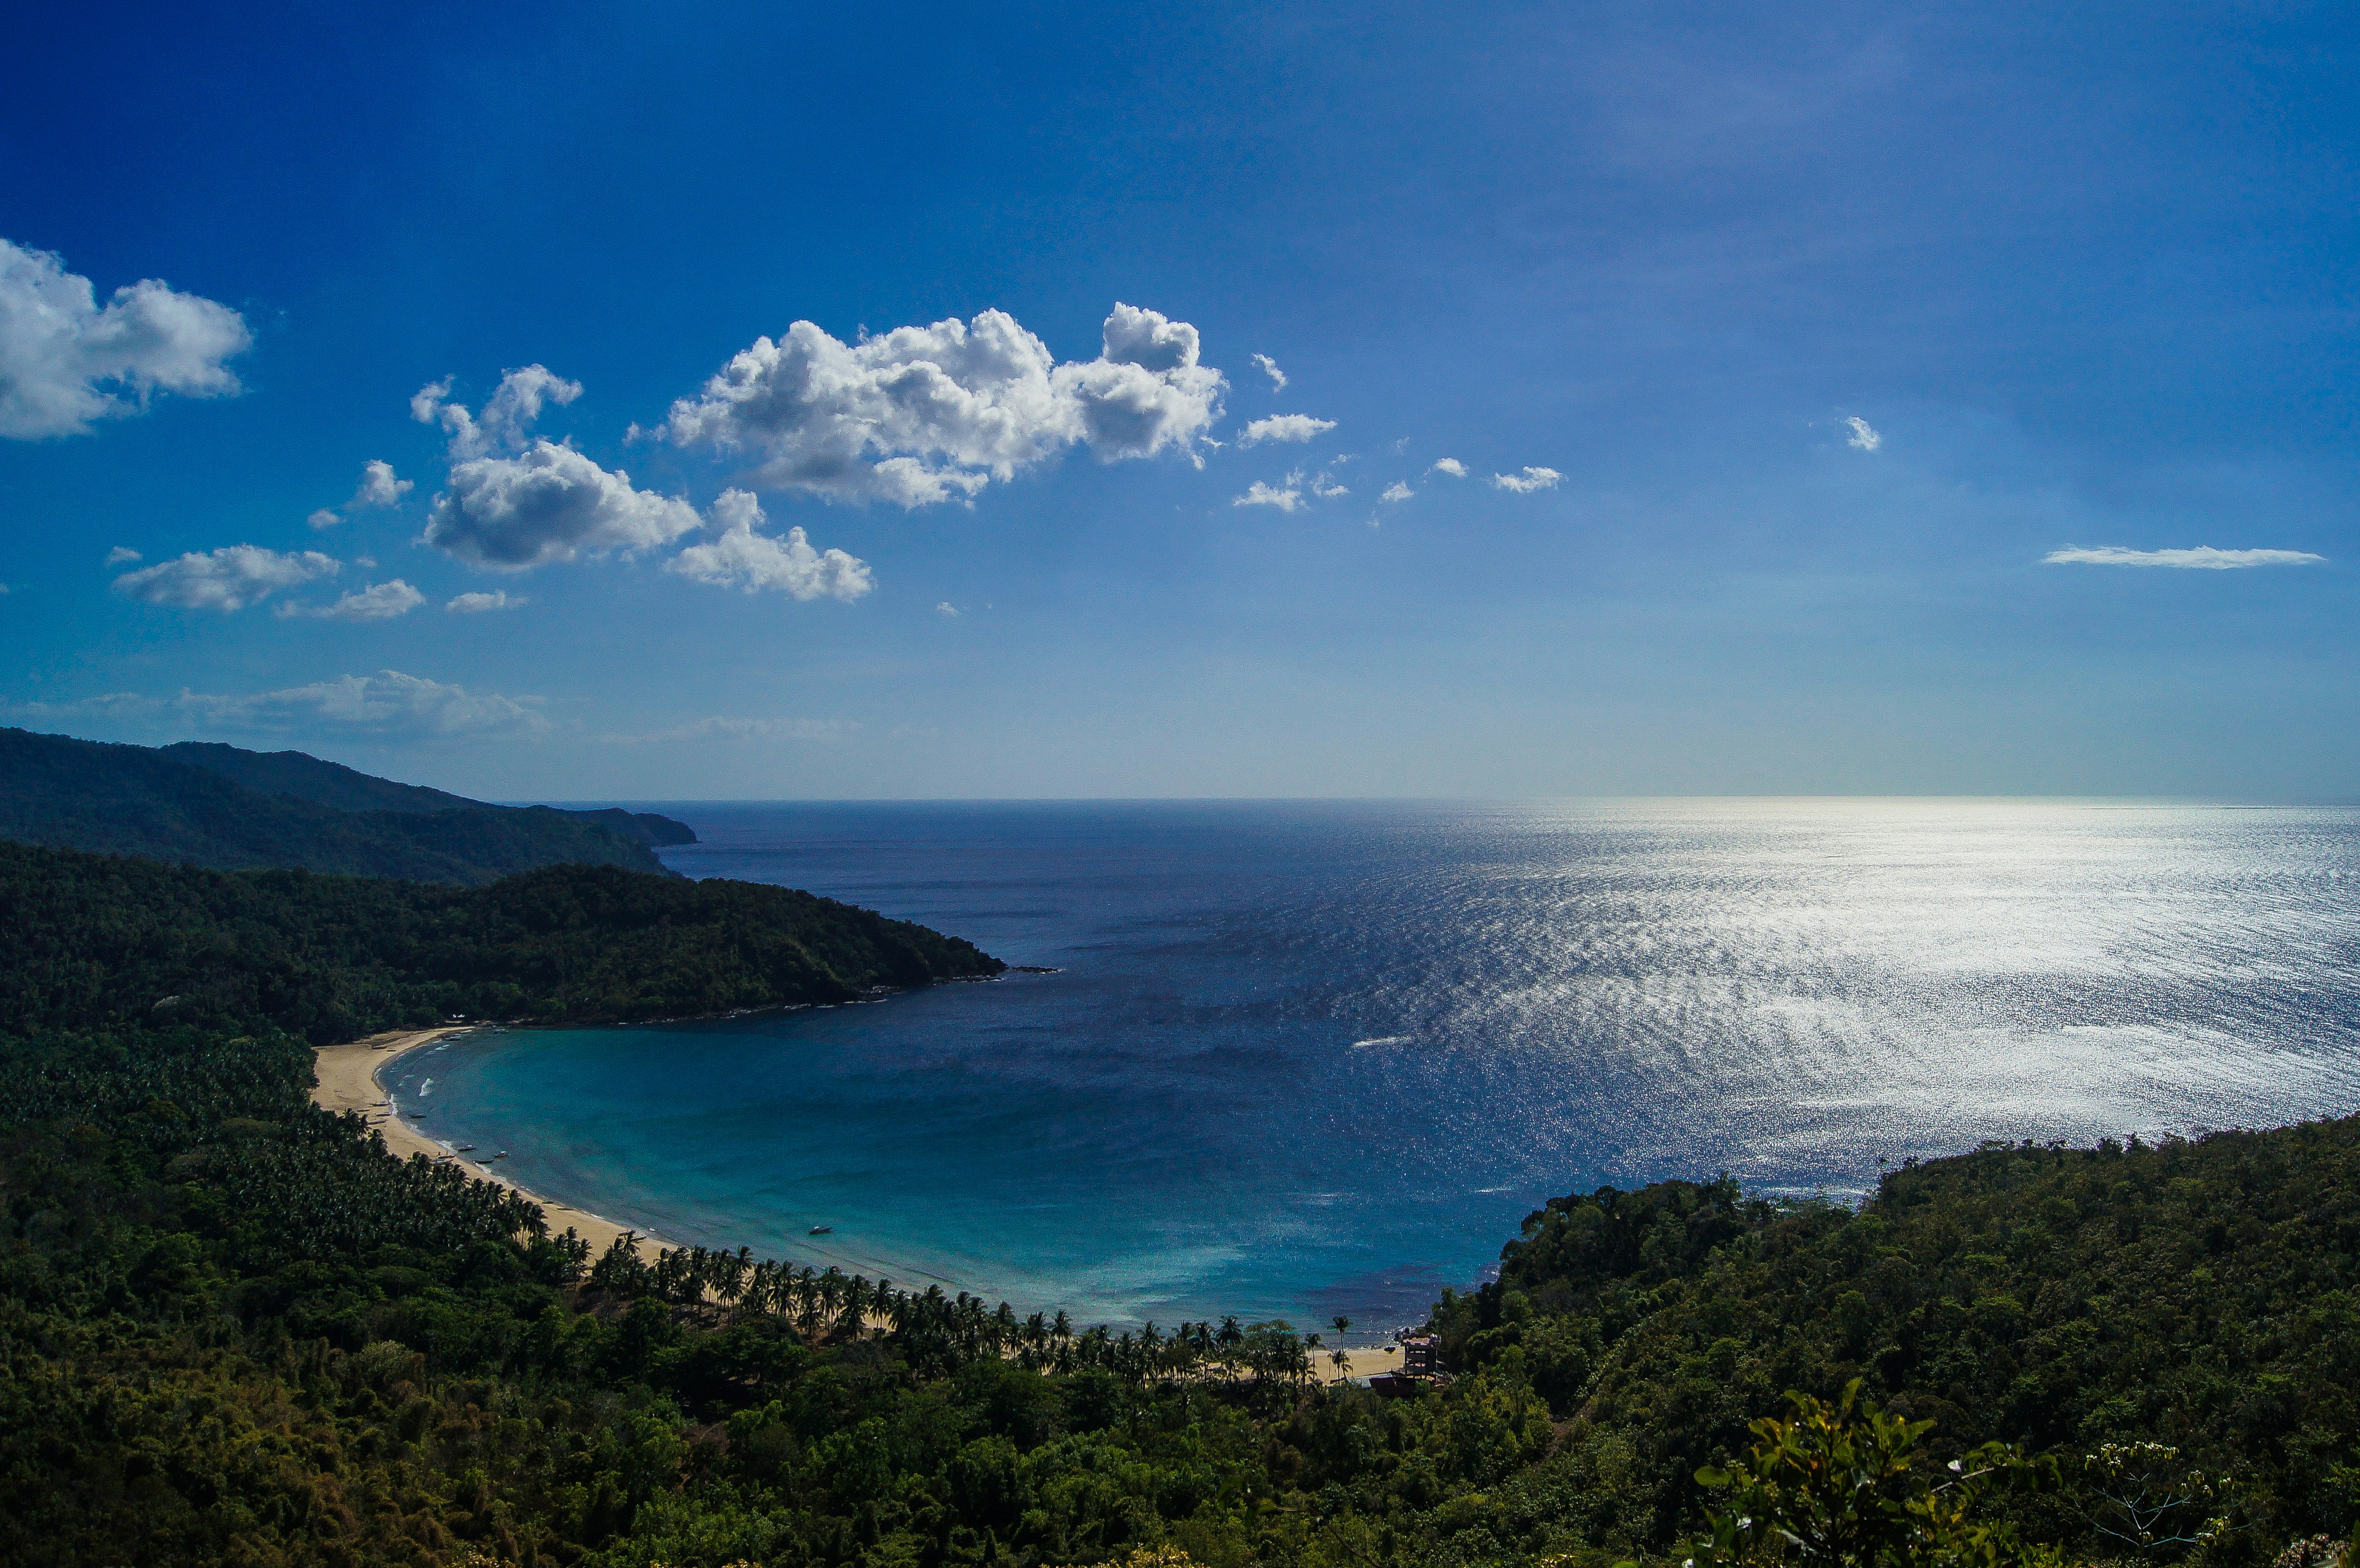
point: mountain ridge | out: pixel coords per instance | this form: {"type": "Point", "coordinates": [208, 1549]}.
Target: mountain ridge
{"type": "Point", "coordinates": [65, 792]}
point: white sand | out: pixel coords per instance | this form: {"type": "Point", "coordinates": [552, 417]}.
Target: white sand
{"type": "Point", "coordinates": [346, 1079]}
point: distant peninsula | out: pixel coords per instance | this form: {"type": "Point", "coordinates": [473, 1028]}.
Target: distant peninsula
{"type": "Point", "coordinates": [226, 809]}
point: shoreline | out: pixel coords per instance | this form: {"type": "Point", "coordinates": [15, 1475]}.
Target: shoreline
{"type": "Point", "coordinates": [345, 1078]}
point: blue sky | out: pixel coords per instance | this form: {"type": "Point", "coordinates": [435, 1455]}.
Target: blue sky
{"type": "Point", "coordinates": [2083, 275]}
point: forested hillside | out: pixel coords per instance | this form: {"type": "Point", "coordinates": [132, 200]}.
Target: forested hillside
{"type": "Point", "coordinates": [106, 942]}
{"type": "Point", "coordinates": [306, 777]}
{"type": "Point", "coordinates": [234, 1329]}
{"type": "Point", "coordinates": [132, 800]}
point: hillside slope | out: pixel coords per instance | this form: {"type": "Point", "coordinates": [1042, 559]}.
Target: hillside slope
{"type": "Point", "coordinates": [132, 800]}
{"type": "Point", "coordinates": [103, 942]}
{"type": "Point", "coordinates": [307, 777]}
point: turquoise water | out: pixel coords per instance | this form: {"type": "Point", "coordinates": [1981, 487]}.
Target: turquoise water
{"type": "Point", "coordinates": [1308, 1059]}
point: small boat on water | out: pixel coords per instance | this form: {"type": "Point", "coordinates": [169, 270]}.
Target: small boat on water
{"type": "Point", "coordinates": [467, 1148]}
{"type": "Point", "coordinates": [821, 1230]}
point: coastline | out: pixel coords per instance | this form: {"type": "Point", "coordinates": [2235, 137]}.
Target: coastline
{"type": "Point", "coordinates": [345, 1078]}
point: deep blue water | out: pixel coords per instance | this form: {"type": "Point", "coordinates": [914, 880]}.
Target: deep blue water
{"type": "Point", "coordinates": [1309, 1060]}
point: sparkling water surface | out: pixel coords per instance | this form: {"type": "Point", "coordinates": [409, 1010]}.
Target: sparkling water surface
{"type": "Point", "coordinates": [1303, 1059]}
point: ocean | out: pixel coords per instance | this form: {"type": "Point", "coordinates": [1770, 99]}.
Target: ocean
{"type": "Point", "coordinates": [1301, 1061]}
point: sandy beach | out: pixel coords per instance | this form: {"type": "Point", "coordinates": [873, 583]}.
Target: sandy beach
{"type": "Point", "coordinates": [345, 1078]}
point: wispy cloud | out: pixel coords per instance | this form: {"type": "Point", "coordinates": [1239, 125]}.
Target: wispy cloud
{"type": "Point", "coordinates": [380, 488]}
{"type": "Point", "coordinates": [65, 360]}
{"type": "Point", "coordinates": [741, 729]}
{"type": "Point", "coordinates": [1398, 490]}
{"type": "Point", "coordinates": [226, 579]}
{"type": "Point", "coordinates": [388, 703]}
{"type": "Point", "coordinates": [1528, 481]}
{"type": "Point", "coordinates": [1283, 427]}
{"type": "Point", "coordinates": [1269, 367]}
{"type": "Point", "coordinates": [379, 601]}
{"type": "Point", "coordinates": [1864, 437]}
{"type": "Point", "coordinates": [121, 556]}
{"type": "Point", "coordinates": [1327, 489]}
{"type": "Point", "coordinates": [1451, 466]}
{"type": "Point", "coordinates": [1261, 495]}
{"type": "Point", "coordinates": [2201, 557]}
{"type": "Point", "coordinates": [947, 610]}
{"type": "Point", "coordinates": [481, 603]}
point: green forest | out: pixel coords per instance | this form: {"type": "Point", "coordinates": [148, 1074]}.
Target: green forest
{"type": "Point", "coordinates": [216, 806]}
{"type": "Point", "coordinates": [235, 1330]}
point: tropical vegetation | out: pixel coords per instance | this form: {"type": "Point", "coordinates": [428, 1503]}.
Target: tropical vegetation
{"type": "Point", "coordinates": [235, 1330]}
{"type": "Point", "coordinates": [218, 806]}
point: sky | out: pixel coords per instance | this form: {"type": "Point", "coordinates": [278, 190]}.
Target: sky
{"type": "Point", "coordinates": [617, 402]}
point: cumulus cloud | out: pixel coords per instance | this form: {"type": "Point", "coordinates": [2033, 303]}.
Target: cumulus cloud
{"type": "Point", "coordinates": [1451, 466]}
{"type": "Point", "coordinates": [738, 556]}
{"type": "Point", "coordinates": [226, 579]}
{"type": "Point", "coordinates": [388, 703]}
{"type": "Point", "coordinates": [514, 500]}
{"type": "Point", "coordinates": [1528, 481]}
{"type": "Point", "coordinates": [121, 555]}
{"type": "Point", "coordinates": [478, 604]}
{"type": "Point", "coordinates": [947, 610]}
{"type": "Point", "coordinates": [379, 601]}
{"type": "Point", "coordinates": [1327, 489]}
{"type": "Point", "coordinates": [508, 415]}
{"type": "Point", "coordinates": [1864, 437]}
{"type": "Point", "coordinates": [1261, 495]}
{"type": "Point", "coordinates": [1283, 427]}
{"type": "Point", "coordinates": [1397, 491]}
{"type": "Point", "coordinates": [926, 415]}
{"type": "Point", "coordinates": [65, 360]}
{"type": "Point", "coordinates": [378, 488]}
{"type": "Point", "coordinates": [2201, 557]}
{"type": "Point", "coordinates": [1269, 367]}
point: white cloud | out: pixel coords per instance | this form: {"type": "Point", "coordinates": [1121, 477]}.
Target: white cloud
{"type": "Point", "coordinates": [226, 579]}
{"type": "Point", "coordinates": [65, 360]}
{"type": "Point", "coordinates": [326, 517]}
{"type": "Point", "coordinates": [740, 557]}
{"type": "Point", "coordinates": [387, 702]}
{"type": "Point", "coordinates": [926, 415]}
{"type": "Point", "coordinates": [1328, 490]}
{"type": "Point", "coordinates": [379, 486]}
{"type": "Point", "coordinates": [2200, 557]}
{"type": "Point", "coordinates": [509, 412]}
{"type": "Point", "coordinates": [379, 601]}
{"type": "Point", "coordinates": [742, 729]}
{"type": "Point", "coordinates": [947, 610]}
{"type": "Point", "coordinates": [1528, 481]}
{"type": "Point", "coordinates": [515, 502]}
{"type": "Point", "coordinates": [1261, 495]}
{"type": "Point", "coordinates": [1269, 367]}
{"type": "Point", "coordinates": [477, 604]}
{"type": "Point", "coordinates": [121, 555]}
{"type": "Point", "coordinates": [1451, 466]}
{"type": "Point", "coordinates": [1283, 427]}
{"type": "Point", "coordinates": [1862, 436]}
{"type": "Point", "coordinates": [1397, 491]}
{"type": "Point", "coordinates": [548, 503]}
